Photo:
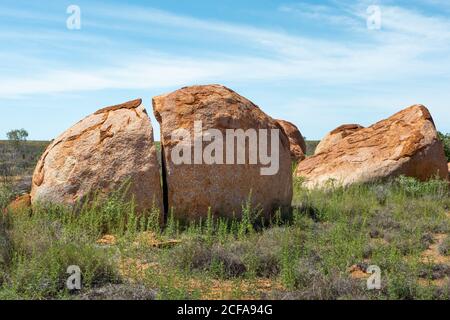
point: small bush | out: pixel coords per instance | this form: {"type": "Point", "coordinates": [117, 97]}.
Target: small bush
{"type": "Point", "coordinates": [412, 187]}
{"type": "Point", "coordinates": [257, 256]}
{"type": "Point", "coordinates": [44, 245]}
{"type": "Point", "coordinates": [444, 247]}
{"type": "Point", "coordinates": [435, 271]}
{"type": "Point", "coordinates": [402, 286]}
{"type": "Point", "coordinates": [312, 284]}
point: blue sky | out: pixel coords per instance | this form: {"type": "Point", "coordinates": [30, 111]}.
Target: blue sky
{"type": "Point", "coordinates": [314, 63]}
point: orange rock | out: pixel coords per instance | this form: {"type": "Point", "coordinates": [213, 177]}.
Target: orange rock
{"type": "Point", "coordinates": [193, 188]}
{"type": "Point", "coordinates": [404, 144]}
{"type": "Point", "coordinates": [296, 141]}
{"type": "Point", "coordinates": [20, 204]}
{"type": "Point", "coordinates": [98, 154]}
{"type": "Point", "coordinates": [336, 135]}
{"type": "Point", "coordinates": [357, 272]}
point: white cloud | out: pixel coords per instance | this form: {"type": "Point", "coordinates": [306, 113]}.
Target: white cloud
{"type": "Point", "coordinates": [405, 49]}
{"type": "Point", "coordinates": [407, 22]}
{"type": "Point", "coordinates": [323, 15]}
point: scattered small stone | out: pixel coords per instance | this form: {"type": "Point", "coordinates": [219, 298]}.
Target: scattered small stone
{"type": "Point", "coordinates": [107, 239]}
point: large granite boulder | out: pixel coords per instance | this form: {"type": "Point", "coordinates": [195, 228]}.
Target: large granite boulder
{"type": "Point", "coordinates": [405, 144]}
{"type": "Point", "coordinates": [199, 118]}
{"type": "Point", "coordinates": [99, 154]}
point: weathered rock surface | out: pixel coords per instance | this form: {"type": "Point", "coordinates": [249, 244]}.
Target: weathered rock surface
{"type": "Point", "coordinates": [296, 141]}
{"type": "Point", "coordinates": [99, 154]}
{"type": "Point", "coordinates": [404, 144]}
{"type": "Point", "coordinates": [193, 188]}
{"type": "Point", "coordinates": [336, 135]}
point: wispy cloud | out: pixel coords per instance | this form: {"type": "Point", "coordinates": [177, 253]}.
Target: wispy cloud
{"type": "Point", "coordinates": [335, 16]}
{"type": "Point", "coordinates": [395, 49]}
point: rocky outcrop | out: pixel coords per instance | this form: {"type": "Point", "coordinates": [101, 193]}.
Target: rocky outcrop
{"type": "Point", "coordinates": [404, 144]}
{"type": "Point", "coordinates": [336, 135]}
{"type": "Point", "coordinates": [207, 180]}
{"type": "Point", "coordinates": [99, 154]}
{"type": "Point", "coordinates": [296, 141]}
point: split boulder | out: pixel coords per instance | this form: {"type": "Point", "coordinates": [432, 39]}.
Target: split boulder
{"type": "Point", "coordinates": [195, 185]}
{"type": "Point", "coordinates": [100, 154]}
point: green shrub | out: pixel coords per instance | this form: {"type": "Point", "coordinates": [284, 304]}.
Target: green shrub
{"type": "Point", "coordinates": [445, 138]}
{"type": "Point", "coordinates": [6, 195]}
{"type": "Point", "coordinates": [45, 244]}
{"type": "Point", "coordinates": [444, 247]}
{"type": "Point", "coordinates": [42, 247]}
{"type": "Point", "coordinates": [250, 216]}
{"type": "Point", "coordinates": [388, 224]}
{"type": "Point", "coordinates": [413, 187]}
{"type": "Point", "coordinates": [259, 255]}
{"type": "Point", "coordinates": [289, 264]}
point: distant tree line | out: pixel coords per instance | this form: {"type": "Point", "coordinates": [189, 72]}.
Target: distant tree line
{"type": "Point", "coordinates": [446, 141]}
{"type": "Point", "coordinates": [17, 136]}
{"type": "Point", "coordinates": [18, 158]}
{"type": "Point", "coordinates": [13, 154]}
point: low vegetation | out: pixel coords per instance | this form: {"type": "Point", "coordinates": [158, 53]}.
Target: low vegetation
{"type": "Point", "coordinates": [320, 251]}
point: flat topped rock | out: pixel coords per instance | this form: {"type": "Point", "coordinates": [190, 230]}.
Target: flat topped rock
{"type": "Point", "coordinates": [133, 104]}
{"type": "Point", "coordinates": [405, 144]}
{"type": "Point", "coordinates": [99, 154]}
